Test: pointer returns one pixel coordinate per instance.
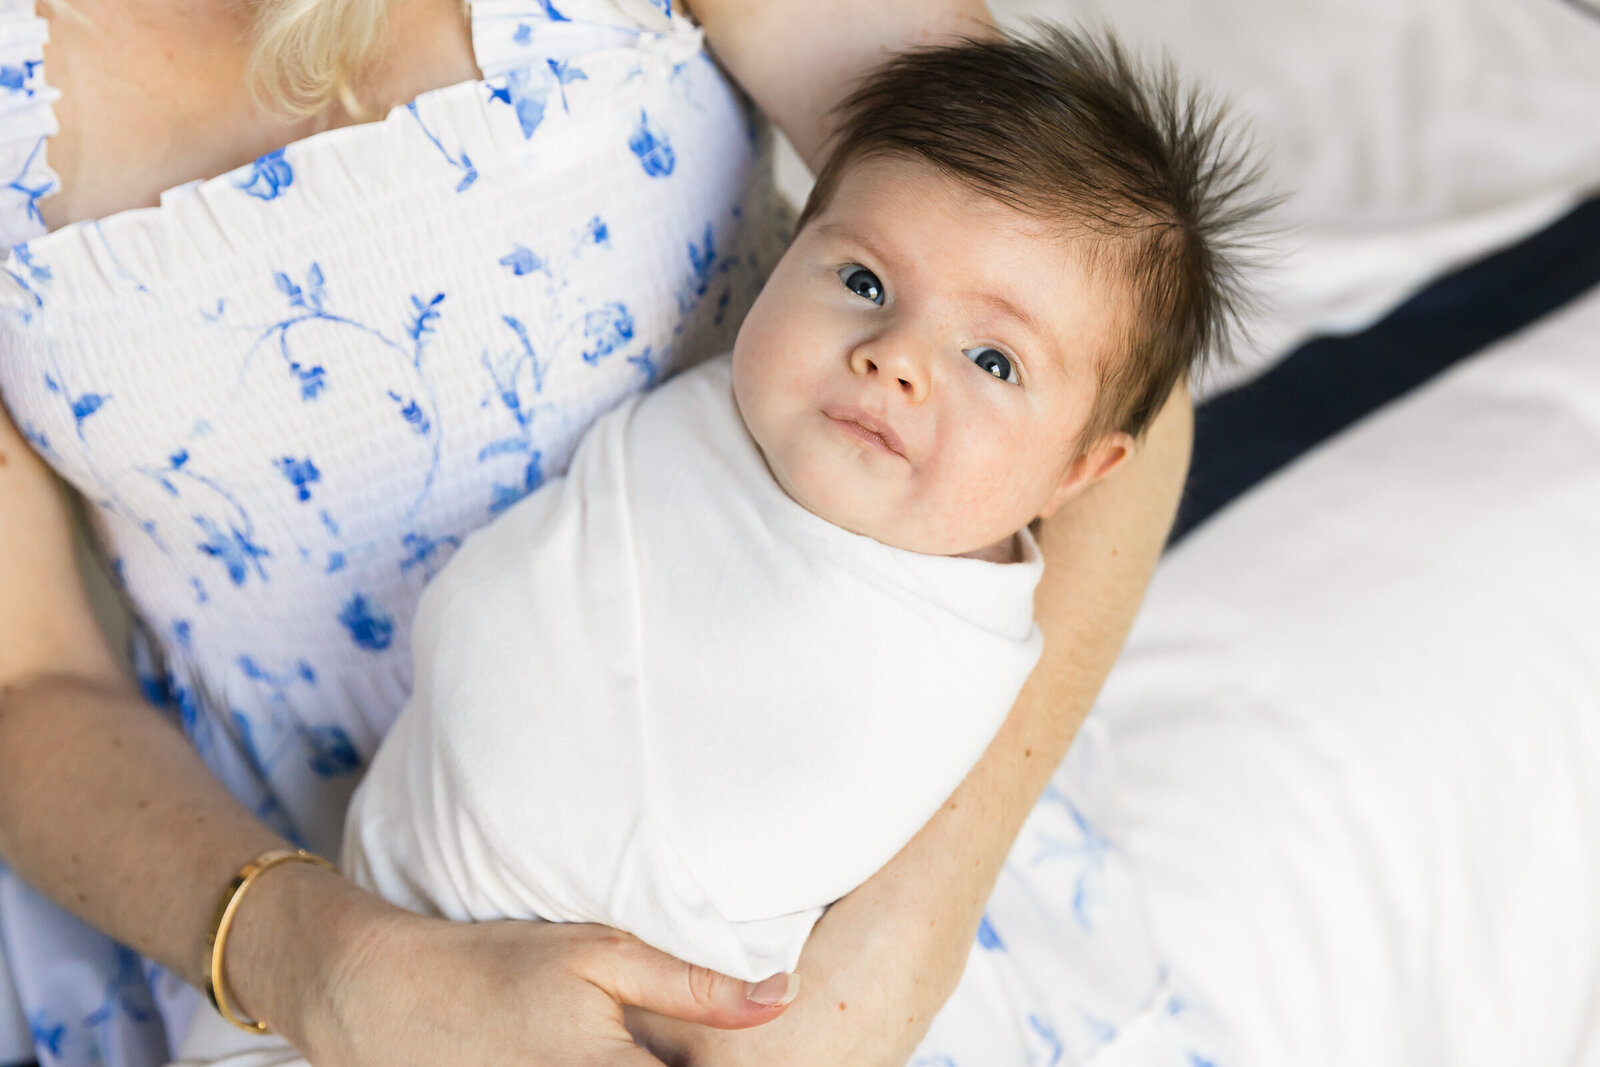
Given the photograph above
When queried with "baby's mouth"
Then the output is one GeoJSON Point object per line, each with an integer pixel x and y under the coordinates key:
{"type": "Point", "coordinates": [867, 428]}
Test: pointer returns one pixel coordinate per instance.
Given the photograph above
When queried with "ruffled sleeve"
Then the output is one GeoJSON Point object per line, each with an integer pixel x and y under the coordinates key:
{"type": "Point", "coordinates": [512, 35]}
{"type": "Point", "coordinates": [27, 121]}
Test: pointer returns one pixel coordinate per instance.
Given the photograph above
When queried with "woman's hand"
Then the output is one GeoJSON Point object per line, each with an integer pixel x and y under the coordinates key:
{"type": "Point", "coordinates": [403, 989]}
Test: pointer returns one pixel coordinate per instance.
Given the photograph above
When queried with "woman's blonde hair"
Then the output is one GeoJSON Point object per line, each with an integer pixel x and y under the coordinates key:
{"type": "Point", "coordinates": [304, 53]}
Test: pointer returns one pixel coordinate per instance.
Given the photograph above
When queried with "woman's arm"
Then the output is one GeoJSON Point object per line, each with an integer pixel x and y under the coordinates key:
{"type": "Point", "coordinates": [105, 807]}
{"type": "Point", "coordinates": [798, 60]}
{"type": "Point", "coordinates": [886, 957]}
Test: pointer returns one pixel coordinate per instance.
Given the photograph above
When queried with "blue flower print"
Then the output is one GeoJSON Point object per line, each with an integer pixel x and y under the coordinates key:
{"type": "Point", "coordinates": [649, 142]}
{"type": "Point", "coordinates": [424, 551]}
{"type": "Point", "coordinates": [308, 297]}
{"type": "Point", "coordinates": [48, 1035]}
{"type": "Point", "coordinates": [37, 271]}
{"type": "Point", "coordinates": [526, 89]}
{"type": "Point", "coordinates": [598, 232]}
{"type": "Point", "coordinates": [234, 550]}
{"type": "Point", "coordinates": [13, 77]}
{"type": "Point", "coordinates": [987, 937]}
{"type": "Point", "coordinates": [521, 261]}
{"type": "Point", "coordinates": [646, 362]}
{"type": "Point", "coordinates": [1197, 1060]}
{"type": "Point", "coordinates": [312, 379]}
{"type": "Point", "coordinates": [1091, 850]}
{"type": "Point", "coordinates": [196, 725]}
{"type": "Point", "coordinates": [153, 687]}
{"type": "Point", "coordinates": [127, 993]}
{"type": "Point", "coordinates": [523, 35]}
{"type": "Point", "coordinates": [1048, 1044]}
{"type": "Point", "coordinates": [86, 405]}
{"type": "Point", "coordinates": [33, 181]}
{"type": "Point", "coordinates": [565, 74]}
{"type": "Point", "coordinates": [702, 257]}
{"type": "Point", "coordinates": [412, 412]}
{"type": "Point", "coordinates": [505, 373]}
{"type": "Point", "coordinates": [463, 162]}
{"type": "Point", "coordinates": [427, 313]}
{"type": "Point", "coordinates": [83, 405]}
{"type": "Point", "coordinates": [302, 474]}
{"type": "Point", "coordinates": [332, 752]}
{"type": "Point", "coordinates": [370, 626]}
{"type": "Point", "coordinates": [502, 496]}
{"type": "Point", "coordinates": [266, 178]}
{"type": "Point", "coordinates": [607, 329]}
{"type": "Point", "coordinates": [551, 13]}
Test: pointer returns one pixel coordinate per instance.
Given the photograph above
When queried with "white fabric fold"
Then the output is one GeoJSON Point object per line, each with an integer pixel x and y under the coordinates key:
{"type": "Point", "coordinates": [658, 694]}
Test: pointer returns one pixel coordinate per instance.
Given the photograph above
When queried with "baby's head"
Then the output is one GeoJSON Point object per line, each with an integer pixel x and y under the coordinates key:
{"type": "Point", "coordinates": [1014, 253]}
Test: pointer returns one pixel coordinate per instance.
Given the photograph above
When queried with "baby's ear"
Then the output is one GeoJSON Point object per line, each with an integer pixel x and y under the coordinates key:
{"type": "Point", "coordinates": [1089, 466]}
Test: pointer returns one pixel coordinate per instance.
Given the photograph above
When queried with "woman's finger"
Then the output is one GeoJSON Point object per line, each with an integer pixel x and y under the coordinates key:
{"type": "Point", "coordinates": [636, 974]}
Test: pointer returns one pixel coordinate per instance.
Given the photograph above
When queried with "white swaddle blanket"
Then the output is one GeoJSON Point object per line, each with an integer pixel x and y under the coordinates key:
{"type": "Point", "coordinates": [658, 694]}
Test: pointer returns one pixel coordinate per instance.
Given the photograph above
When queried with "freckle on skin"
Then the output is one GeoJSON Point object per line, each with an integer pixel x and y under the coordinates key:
{"type": "Point", "coordinates": [1027, 753]}
{"type": "Point", "coordinates": [3, 459]}
{"type": "Point", "coordinates": [841, 1005]}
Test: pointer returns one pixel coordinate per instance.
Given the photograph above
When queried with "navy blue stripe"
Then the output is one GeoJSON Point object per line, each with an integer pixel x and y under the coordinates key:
{"type": "Point", "coordinates": [1325, 385]}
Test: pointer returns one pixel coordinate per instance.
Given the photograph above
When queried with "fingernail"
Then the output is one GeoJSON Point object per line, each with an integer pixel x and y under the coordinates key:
{"type": "Point", "coordinates": [779, 989]}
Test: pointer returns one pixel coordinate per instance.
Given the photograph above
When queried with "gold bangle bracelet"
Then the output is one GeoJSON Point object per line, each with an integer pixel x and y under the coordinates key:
{"type": "Point", "coordinates": [222, 922]}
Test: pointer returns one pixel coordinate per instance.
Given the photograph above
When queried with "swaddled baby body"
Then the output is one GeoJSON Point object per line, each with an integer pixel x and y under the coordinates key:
{"type": "Point", "coordinates": [663, 696]}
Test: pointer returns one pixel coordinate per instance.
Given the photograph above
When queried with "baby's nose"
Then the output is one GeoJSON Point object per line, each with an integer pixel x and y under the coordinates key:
{"type": "Point", "coordinates": [897, 364]}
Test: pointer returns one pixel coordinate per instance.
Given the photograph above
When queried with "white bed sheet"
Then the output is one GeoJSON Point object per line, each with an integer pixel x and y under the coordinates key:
{"type": "Point", "coordinates": [1358, 731]}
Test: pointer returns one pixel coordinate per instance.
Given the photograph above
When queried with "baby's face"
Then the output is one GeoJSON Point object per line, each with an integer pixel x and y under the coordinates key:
{"type": "Point", "coordinates": [922, 361]}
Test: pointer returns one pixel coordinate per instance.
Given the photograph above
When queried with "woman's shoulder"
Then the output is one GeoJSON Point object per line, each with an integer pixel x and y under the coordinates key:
{"type": "Point", "coordinates": [148, 98]}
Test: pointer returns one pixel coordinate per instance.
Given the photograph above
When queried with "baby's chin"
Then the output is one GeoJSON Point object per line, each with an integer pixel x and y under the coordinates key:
{"type": "Point", "coordinates": [861, 509]}
{"type": "Point", "coordinates": [928, 537]}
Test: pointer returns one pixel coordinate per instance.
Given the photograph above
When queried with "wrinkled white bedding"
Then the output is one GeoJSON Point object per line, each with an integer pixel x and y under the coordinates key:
{"type": "Point", "coordinates": [1358, 728]}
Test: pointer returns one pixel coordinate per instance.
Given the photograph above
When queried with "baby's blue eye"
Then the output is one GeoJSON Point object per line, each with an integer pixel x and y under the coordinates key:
{"type": "Point", "coordinates": [862, 282]}
{"type": "Point", "coordinates": [993, 361]}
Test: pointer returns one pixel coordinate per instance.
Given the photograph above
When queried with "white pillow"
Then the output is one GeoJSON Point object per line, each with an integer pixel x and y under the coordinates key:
{"type": "Point", "coordinates": [1358, 727]}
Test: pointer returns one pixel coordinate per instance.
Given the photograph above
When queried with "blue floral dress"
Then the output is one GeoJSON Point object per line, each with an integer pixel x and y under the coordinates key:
{"type": "Point", "coordinates": [287, 393]}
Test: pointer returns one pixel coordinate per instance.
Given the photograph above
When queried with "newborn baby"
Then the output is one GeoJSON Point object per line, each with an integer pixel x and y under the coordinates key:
{"type": "Point", "coordinates": [722, 671]}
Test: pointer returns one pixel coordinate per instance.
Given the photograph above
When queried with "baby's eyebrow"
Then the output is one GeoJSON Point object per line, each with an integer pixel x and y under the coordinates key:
{"type": "Point", "coordinates": [1014, 310]}
{"type": "Point", "coordinates": [840, 230]}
